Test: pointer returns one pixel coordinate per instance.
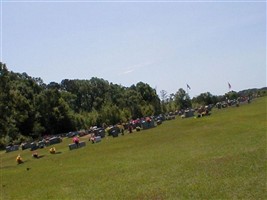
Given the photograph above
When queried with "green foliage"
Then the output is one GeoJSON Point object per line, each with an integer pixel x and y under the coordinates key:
{"type": "Point", "coordinates": [204, 99]}
{"type": "Point", "coordinates": [126, 115]}
{"type": "Point", "coordinates": [231, 95]}
{"type": "Point", "coordinates": [38, 129]}
{"type": "Point", "coordinates": [182, 100]}
{"type": "Point", "coordinates": [147, 110]}
{"type": "Point", "coordinates": [31, 108]}
{"type": "Point", "coordinates": [110, 114]}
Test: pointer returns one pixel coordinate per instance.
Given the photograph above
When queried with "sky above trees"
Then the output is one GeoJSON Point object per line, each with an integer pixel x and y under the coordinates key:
{"type": "Point", "coordinates": [165, 44]}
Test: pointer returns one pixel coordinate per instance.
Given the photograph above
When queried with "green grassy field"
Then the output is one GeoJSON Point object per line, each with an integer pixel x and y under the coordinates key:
{"type": "Point", "coordinates": [222, 156]}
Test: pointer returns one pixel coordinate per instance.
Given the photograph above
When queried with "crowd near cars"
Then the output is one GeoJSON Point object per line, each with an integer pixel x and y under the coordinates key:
{"type": "Point", "coordinates": [133, 125]}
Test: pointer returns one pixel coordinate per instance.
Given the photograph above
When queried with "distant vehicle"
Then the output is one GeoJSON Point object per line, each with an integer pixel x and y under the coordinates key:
{"type": "Point", "coordinates": [55, 140]}
{"type": "Point", "coordinates": [71, 134]}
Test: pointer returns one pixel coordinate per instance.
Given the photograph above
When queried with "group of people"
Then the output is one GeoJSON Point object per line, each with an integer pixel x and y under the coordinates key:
{"type": "Point", "coordinates": [52, 150]}
{"type": "Point", "coordinates": [19, 159]}
{"type": "Point", "coordinates": [75, 140]}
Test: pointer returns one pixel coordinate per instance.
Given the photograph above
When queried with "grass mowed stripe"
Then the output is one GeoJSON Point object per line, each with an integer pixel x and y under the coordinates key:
{"type": "Point", "coordinates": [220, 156]}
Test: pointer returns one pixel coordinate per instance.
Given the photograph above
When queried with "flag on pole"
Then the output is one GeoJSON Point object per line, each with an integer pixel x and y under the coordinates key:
{"type": "Point", "coordinates": [229, 86]}
{"type": "Point", "coordinates": [188, 87]}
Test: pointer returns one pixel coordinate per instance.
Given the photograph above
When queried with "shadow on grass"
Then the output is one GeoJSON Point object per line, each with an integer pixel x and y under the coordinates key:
{"type": "Point", "coordinates": [59, 152]}
{"type": "Point", "coordinates": [41, 156]}
{"type": "Point", "coordinates": [13, 166]}
{"type": "Point", "coordinates": [8, 167]}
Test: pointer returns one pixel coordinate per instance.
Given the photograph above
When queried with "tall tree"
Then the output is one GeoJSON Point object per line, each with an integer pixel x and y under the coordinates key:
{"type": "Point", "coordinates": [203, 99]}
{"type": "Point", "coordinates": [182, 99]}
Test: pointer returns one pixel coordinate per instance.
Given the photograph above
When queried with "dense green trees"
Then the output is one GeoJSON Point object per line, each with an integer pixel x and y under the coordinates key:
{"type": "Point", "coordinates": [178, 101]}
{"type": "Point", "coordinates": [30, 108]}
{"type": "Point", "coordinates": [17, 97]}
{"type": "Point", "coordinates": [204, 99]}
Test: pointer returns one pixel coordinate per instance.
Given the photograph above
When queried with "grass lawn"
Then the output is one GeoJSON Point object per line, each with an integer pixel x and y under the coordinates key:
{"type": "Point", "coordinates": [222, 156]}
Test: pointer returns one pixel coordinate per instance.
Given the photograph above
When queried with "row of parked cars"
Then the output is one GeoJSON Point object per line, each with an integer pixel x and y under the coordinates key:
{"type": "Point", "coordinates": [41, 144]}
{"type": "Point", "coordinates": [143, 123]}
{"type": "Point", "coordinates": [35, 145]}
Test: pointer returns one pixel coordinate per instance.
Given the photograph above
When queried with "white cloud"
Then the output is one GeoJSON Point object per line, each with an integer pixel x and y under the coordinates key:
{"type": "Point", "coordinates": [128, 71]}
{"type": "Point", "coordinates": [135, 67]}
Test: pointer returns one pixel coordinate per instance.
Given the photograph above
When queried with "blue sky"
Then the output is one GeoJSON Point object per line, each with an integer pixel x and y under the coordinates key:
{"type": "Point", "coordinates": [165, 44]}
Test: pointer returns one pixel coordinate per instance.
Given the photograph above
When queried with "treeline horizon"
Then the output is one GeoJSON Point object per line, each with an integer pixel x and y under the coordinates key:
{"type": "Point", "coordinates": [30, 108]}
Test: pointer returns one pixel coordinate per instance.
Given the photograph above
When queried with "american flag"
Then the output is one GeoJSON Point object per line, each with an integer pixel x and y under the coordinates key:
{"type": "Point", "coordinates": [188, 86]}
{"type": "Point", "coordinates": [229, 86]}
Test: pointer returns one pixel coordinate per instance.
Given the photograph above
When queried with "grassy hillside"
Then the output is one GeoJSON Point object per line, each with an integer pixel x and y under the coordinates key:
{"type": "Point", "coordinates": [220, 156]}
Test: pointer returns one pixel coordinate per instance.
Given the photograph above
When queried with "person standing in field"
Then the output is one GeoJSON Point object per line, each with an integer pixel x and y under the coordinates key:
{"type": "Point", "coordinates": [130, 128]}
{"type": "Point", "coordinates": [76, 141]}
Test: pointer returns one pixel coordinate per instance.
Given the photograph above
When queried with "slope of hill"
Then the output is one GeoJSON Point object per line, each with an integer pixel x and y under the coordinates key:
{"type": "Point", "coordinates": [222, 156]}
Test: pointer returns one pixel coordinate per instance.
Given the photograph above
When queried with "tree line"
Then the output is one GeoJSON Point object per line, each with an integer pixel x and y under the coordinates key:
{"type": "Point", "coordinates": [30, 108]}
